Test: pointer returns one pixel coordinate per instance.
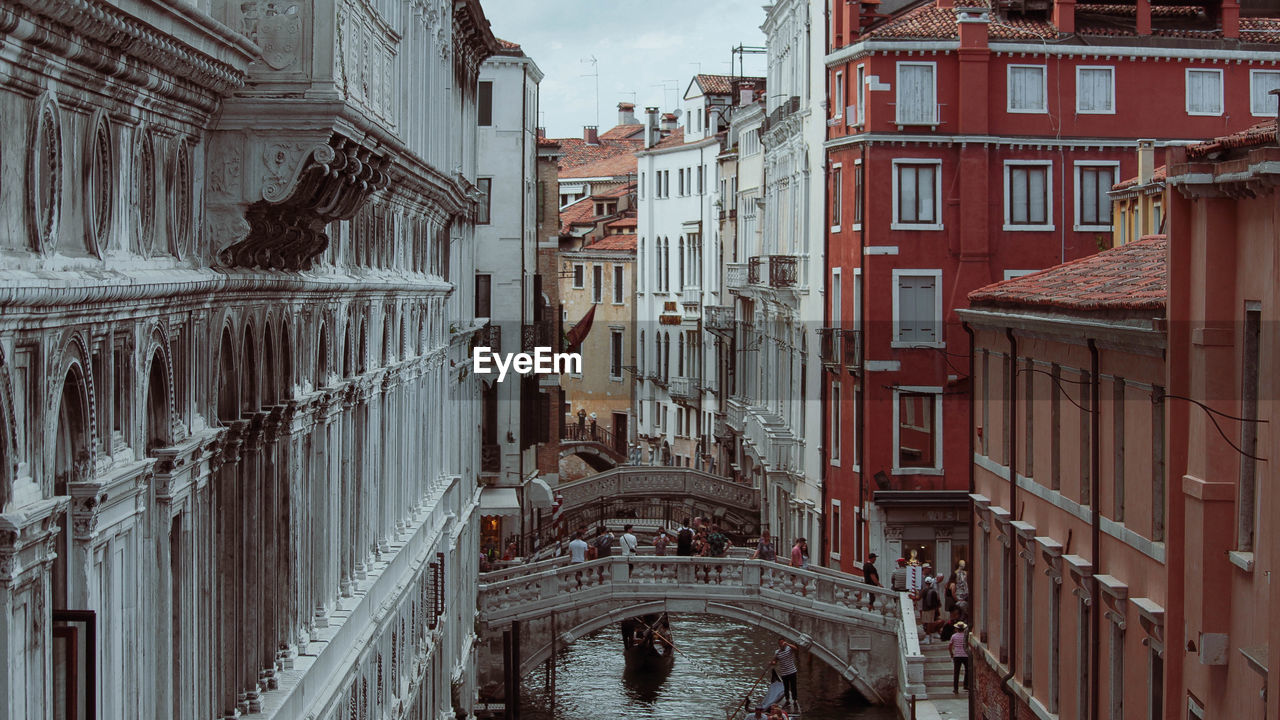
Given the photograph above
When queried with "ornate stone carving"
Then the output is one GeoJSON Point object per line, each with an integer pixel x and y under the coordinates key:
{"type": "Point", "coordinates": [84, 512]}
{"type": "Point", "coordinates": [144, 191]}
{"type": "Point", "coordinates": [305, 188]}
{"type": "Point", "coordinates": [277, 28]}
{"type": "Point", "coordinates": [100, 183]}
{"type": "Point", "coordinates": [44, 175]}
{"type": "Point", "coordinates": [181, 200]}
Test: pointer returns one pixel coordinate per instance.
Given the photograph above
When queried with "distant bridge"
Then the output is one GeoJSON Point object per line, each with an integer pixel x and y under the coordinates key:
{"type": "Point", "coordinates": [864, 632]}
{"type": "Point", "coordinates": [596, 446]}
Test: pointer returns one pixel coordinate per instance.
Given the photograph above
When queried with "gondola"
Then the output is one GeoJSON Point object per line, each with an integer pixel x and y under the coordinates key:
{"type": "Point", "coordinates": [773, 695]}
{"type": "Point", "coordinates": [646, 642]}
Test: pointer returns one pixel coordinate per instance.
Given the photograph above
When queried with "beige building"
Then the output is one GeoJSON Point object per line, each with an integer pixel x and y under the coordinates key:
{"type": "Point", "coordinates": [597, 281]}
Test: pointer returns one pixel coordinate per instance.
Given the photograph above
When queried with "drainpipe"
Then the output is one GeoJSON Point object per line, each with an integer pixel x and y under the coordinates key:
{"type": "Point", "coordinates": [524, 140]}
{"type": "Point", "coordinates": [973, 488]}
{"type": "Point", "coordinates": [1095, 463]}
{"type": "Point", "coordinates": [1011, 588]}
{"type": "Point", "coordinates": [864, 461]}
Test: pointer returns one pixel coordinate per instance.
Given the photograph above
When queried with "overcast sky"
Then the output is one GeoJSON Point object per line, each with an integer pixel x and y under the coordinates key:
{"type": "Point", "coordinates": [645, 51]}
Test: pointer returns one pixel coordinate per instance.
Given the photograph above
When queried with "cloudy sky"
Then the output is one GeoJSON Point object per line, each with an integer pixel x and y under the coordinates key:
{"type": "Point", "coordinates": [645, 51]}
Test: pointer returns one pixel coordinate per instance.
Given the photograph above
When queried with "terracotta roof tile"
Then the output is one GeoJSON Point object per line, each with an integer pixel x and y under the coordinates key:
{"type": "Point", "coordinates": [579, 153]}
{"type": "Point", "coordinates": [548, 142]}
{"type": "Point", "coordinates": [1159, 175]}
{"type": "Point", "coordinates": [623, 132]}
{"type": "Point", "coordinates": [582, 212]}
{"type": "Point", "coordinates": [622, 162]}
{"type": "Point", "coordinates": [624, 222]}
{"type": "Point", "coordinates": [674, 138]}
{"type": "Point", "coordinates": [719, 84]}
{"type": "Point", "coordinates": [614, 242]}
{"type": "Point", "coordinates": [1260, 134]}
{"type": "Point", "coordinates": [1130, 277]}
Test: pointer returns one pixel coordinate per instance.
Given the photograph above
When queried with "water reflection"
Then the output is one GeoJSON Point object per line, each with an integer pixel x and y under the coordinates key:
{"type": "Point", "coordinates": [718, 662]}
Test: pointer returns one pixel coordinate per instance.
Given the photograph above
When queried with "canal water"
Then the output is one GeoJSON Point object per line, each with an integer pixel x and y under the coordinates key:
{"type": "Point", "coordinates": [718, 662]}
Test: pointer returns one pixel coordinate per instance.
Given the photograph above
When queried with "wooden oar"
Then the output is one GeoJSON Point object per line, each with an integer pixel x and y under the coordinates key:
{"type": "Point", "coordinates": [746, 700]}
{"type": "Point", "coordinates": [670, 643]}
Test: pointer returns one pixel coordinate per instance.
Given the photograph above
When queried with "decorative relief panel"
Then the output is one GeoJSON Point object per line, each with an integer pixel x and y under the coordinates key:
{"type": "Point", "coordinates": [44, 175]}
{"type": "Point", "coordinates": [181, 200]}
{"type": "Point", "coordinates": [276, 26]}
{"type": "Point", "coordinates": [100, 184]}
{"type": "Point", "coordinates": [144, 191]}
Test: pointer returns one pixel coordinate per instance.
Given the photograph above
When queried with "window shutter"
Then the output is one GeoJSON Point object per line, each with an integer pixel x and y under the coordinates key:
{"type": "Point", "coordinates": [1094, 90]}
{"type": "Point", "coordinates": [907, 193]}
{"type": "Point", "coordinates": [1261, 101]}
{"type": "Point", "coordinates": [1202, 91]}
{"type": "Point", "coordinates": [916, 303]}
{"type": "Point", "coordinates": [925, 191]}
{"type": "Point", "coordinates": [1018, 210]}
{"type": "Point", "coordinates": [915, 95]}
{"type": "Point", "coordinates": [906, 309]}
{"type": "Point", "coordinates": [925, 294]}
{"type": "Point", "coordinates": [1026, 88]}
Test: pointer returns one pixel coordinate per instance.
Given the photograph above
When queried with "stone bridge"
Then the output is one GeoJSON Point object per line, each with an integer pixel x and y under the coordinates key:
{"type": "Point", "coordinates": [599, 456]}
{"type": "Point", "coordinates": [866, 633]}
{"type": "Point", "coordinates": [658, 494]}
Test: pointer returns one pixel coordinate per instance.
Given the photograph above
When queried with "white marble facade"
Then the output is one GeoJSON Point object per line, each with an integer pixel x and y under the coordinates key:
{"type": "Point", "coordinates": [238, 428]}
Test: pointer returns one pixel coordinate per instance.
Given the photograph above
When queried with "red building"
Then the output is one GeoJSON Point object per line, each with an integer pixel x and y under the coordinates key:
{"type": "Point", "coordinates": [968, 144]}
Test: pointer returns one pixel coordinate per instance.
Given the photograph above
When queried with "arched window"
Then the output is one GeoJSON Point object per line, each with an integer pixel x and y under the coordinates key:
{"type": "Point", "coordinates": [322, 360]}
{"type": "Point", "coordinates": [640, 356]}
{"type": "Point", "coordinates": [249, 400]}
{"type": "Point", "coordinates": [680, 355]}
{"type": "Point", "coordinates": [158, 418]}
{"type": "Point", "coordinates": [680, 264]}
{"type": "Point", "coordinates": [228, 390]}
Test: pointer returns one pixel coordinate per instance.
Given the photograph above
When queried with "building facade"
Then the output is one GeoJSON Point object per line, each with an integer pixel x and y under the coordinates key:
{"type": "Point", "coordinates": [966, 145]}
{"type": "Point", "coordinates": [507, 284]}
{"type": "Point", "coordinates": [231, 324]}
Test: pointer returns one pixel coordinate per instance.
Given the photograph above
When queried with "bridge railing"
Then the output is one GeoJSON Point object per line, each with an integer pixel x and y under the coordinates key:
{"type": "Point", "coordinates": [910, 657]}
{"type": "Point", "coordinates": [543, 588]}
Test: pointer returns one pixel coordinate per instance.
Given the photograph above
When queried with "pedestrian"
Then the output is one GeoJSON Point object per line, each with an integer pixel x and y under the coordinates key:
{"type": "Point", "coordinates": [660, 542]}
{"type": "Point", "coordinates": [765, 549]}
{"type": "Point", "coordinates": [628, 542]}
{"type": "Point", "coordinates": [959, 656]}
{"type": "Point", "coordinates": [784, 658]}
{"type": "Point", "coordinates": [577, 549]}
{"type": "Point", "coordinates": [931, 604]}
{"type": "Point", "coordinates": [797, 553]}
{"type": "Point", "coordinates": [684, 542]}
{"type": "Point", "coordinates": [898, 580]}
{"type": "Point", "coordinates": [717, 542]}
{"type": "Point", "coordinates": [758, 714]}
{"type": "Point", "coordinates": [870, 575]}
{"type": "Point", "coordinates": [603, 543]}
{"type": "Point", "coordinates": [776, 713]}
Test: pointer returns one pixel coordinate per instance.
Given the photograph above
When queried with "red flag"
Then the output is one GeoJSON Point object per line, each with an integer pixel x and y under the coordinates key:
{"type": "Point", "coordinates": [579, 331]}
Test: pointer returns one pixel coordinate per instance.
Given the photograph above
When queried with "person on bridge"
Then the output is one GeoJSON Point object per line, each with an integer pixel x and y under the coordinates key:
{"type": "Point", "coordinates": [785, 660]}
{"type": "Point", "coordinates": [577, 548]}
{"type": "Point", "coordinates": [660, 542]}
{"type": "Point", "coordinates": [800, 553]}
{"type": "Point", "coordinates": [684, 540]}
{"type": "Point", "coordinates": [898, 580]}
{"type": "Point", "coordinates": [718, 543]}
{"type": "Point", "coordinates": [603, 543]}
{"type": "Point", "coordinates": [870, 575]}
{"type": "Point", "coordinates": [765, 549]}
{"type": "Point", "coordinates": [629, 542]}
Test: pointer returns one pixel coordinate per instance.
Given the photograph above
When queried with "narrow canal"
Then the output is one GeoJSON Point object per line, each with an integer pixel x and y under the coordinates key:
{"type": "Point", "coordinates": [716, 666]}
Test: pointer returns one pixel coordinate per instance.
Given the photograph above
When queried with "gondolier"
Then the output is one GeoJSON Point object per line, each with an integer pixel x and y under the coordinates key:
{"type": "Point", "coordinates": [784, 658]}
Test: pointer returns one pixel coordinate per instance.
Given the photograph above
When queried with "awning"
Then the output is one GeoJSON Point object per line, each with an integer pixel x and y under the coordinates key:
{"type": "Point", "coordinates": [539, 494]}
{"type": "Point", "coordinates": [499, 501]}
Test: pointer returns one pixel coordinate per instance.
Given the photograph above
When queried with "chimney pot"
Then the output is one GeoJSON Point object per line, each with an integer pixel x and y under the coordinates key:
{"type": "Point", "coordinates": [1146, 161]}
{"type": "Point", "coordinates": [590, 133]}
{"type": "Point", "coordinates": [650, 127]}
{"type": "Point", "coordinates": [627, 113]}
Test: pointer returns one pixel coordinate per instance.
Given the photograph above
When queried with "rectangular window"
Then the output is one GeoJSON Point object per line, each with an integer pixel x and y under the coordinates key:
{"type": "Point", "coordinates": [917, 308]}
{"type": "Point", "coordinates": [701, 177]}
{"type": "Point", "coordinates": [1027, 89]}
{"type": "Point", "coordinates": [484, 104]}
{"type": "Point", "coordinates": [1247, 502]}
{"type": "Point", "coordinates": [615, 354]}
{"type": "Point", "coordinates": [917, 102]}
{"type": "Point", "coordinates": [917, 191]}
{"type": "Point", "coordinates": [917, 435]}
{"type": "Point", "coordinates": [1093, 206]}
{"type": "Point", "coordinates": [859, 93]}
{"type": "Point", "coordinates": [1157, 218]}
{"type": "Point", "coordinates": [1204, 92]}
{"type": "Point", "coordinates": [1027, 202]}
{"type": "Point", "coordinates": [483, 295]}
{"type": "Point", "coordinates": [838, 101]}
{"type": "Point", "coordinates": [1095, 90]}
{"type": "Point", "coordinates": [857, 195]}
{"type": "Point", "coordinates": [1261, 102]}
{"type": "Point", "coordinates": [579, 277]}
{"type": "Point", "coordinates": [486, 188]}
{"type": "Point", "coordinates": [617, 284]}
{"type": "Point", "coordinates": [857, 444]}
{"type": "Point", "coordinates": [836, 535]}
{"type": "Point", "coordinates": [597, 284]}
{"type": "Point", "coordinates": [835, 423]}
{"type": "Point", "coordinates": [836, 192]}
{"type": "Point", "coordinates": [641, 186]}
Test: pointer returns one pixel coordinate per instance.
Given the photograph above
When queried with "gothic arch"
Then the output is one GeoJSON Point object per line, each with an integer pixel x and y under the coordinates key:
{"type": "Point", "coordinates": [270, 367]}
{"type": "Point", "coordinates": [250, 393]}
{"type": "Point", "coordinates": [158, 404]}
{"type": "Point", "coordinates": [71, 364]}
{"type": "Point", "coordinates": [322, 356]}
{"type": "Point", "coordinates": [286, 361]}
{"type": "Point", "coordinates": [8, 437]}
{"type": "Point", "coordinates": [362, 350]}
{"type": "Point", "coordinates": [227, 389]}
{"type": "Point", "coordinates": [388, 337]}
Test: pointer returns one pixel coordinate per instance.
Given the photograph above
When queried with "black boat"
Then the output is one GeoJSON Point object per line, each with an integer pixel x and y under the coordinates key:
{"type": "Point", "coordinates": [646, 642]}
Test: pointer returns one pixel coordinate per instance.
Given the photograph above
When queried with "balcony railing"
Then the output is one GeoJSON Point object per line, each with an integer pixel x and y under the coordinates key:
{"type": "Point", "coordinates": [829, 347]}
{"type": "Point", "coordinates": [684, 388]}
{"type": "Point", "coordinates": [755, 270]}
{"type": "Point", "coordinates": [735, 410]}
{"type": "Point", "coordinates": [490, 458]}
{"type": "Point", "coordinates": [736, 276]}
{"type": "Point", "coordinates": [906, 114]}
{"type": "Point", "coordinates": [719, 318]}
{"type": "Point", "coordinates": [489, 336]}
{"type": "Point", "coordinates": [852, 341]}
{"type": "Point", "coordinates": [539, 334]}
{"type": "Point", "coordinates": [782, 271]}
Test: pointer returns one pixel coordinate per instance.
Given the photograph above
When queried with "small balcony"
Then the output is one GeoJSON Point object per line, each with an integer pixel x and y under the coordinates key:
{"type": "Point", "coordinates": [489, 336]}
{"type": "Point", "coordinates": [782, 271]}
{"type": "Point", "coordinates": [684, 389]}
{"type": "Point", "coordinates": [735, 411]}
{"type": "Point", "coordinates": [829, 346]}
{"type": "Point", "coordinates": [755, 270]}
{"type": "Point", "coordinates": [852, 341]}
{"type": "Point", "coordinates": [736, 276]}
{"type": "Point", "coordinates": [490, 458]}
{"type": "Point", "coordinates": [719, 319]}
{"type": "Point", "coordinates": [539, 334]}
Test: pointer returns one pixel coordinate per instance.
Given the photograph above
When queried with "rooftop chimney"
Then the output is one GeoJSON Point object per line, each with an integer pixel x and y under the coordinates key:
{"type": "Point", "coordinates": [668, 122]}
{"type": "Point", "coordinates": [1146, 161]}
{"type": "Point", "coordinates": [627, 114]}
{"type": "Point", "coordinates": [590, 134]}
{"type": "Point", "coordinates": [542, 132]}
{"type": "Point", "coordinates": [651, 127]}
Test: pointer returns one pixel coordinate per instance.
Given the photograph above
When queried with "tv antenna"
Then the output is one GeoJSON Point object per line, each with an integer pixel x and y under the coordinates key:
{"type": "Point", "coordinates": [595, 73]}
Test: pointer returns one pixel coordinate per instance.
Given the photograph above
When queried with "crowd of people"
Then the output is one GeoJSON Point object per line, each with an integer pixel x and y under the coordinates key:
{"type": "Point", "coordinates": [696, 537]}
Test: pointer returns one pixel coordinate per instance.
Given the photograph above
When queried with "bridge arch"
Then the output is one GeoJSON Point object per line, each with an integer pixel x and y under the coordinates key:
{"type": "Point", "coordinates": [851, 674]}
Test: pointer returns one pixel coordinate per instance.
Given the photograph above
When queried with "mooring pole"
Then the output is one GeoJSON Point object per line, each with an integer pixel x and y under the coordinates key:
{"type": "Point", "coordinates": [507, 673]}
{"type": "Point", "coordinates": [514, 703]}
{"type": "Point", "coordinates": [555, 649]}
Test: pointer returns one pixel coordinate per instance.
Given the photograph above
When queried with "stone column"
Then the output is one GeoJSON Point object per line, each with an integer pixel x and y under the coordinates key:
{"type": "Point", "coordinates": [251, 549]}
{"type": "Point", "coordinates": [226, 500]}
{"type": "Point", "coordinates": [318, 516]}
{"type": "Point", "coordinates": [346, 482]}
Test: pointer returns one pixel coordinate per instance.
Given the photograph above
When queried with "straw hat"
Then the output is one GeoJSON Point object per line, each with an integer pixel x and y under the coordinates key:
{"type": "Point", "coordinates": [961, 626]}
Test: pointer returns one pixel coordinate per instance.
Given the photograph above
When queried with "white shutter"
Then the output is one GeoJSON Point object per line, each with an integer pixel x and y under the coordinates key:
{"type": "Point", "coordinates": [906, 309]}
{"type": "Point", "coordinates": [915, 94]}
{"type": "Point", "coordinates": [1018, 195]}
{"type": "Point", "coordinates": [1037, 198]}
{"type": "Point", "coordinates": [1262, 82]}
{"type": "Point", "coordinates": [917, 300]}
{"type": "Point", "coordinates": [1093, 90]}
{"type": "Point", "coordinates": [1026, 88]}
{"type": "Point", "coordinates": [1204, 95]}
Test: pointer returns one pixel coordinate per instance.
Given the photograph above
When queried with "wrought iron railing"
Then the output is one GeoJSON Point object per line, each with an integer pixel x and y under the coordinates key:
{"type": "Point", "coordinates": [591, 432]}
{"type": "Point", "coordinates": [755, 272]}
{"type": "Point", "coordinates": [852, 341]}
{"type": "Point", "coordinates": [489, 336]}
{"type": "Point", "coordinates": [539, 334]}
{"type": "Point", "coordinates": [829, 347]}
{"type": "Point", "coordinates": [782, 271]}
